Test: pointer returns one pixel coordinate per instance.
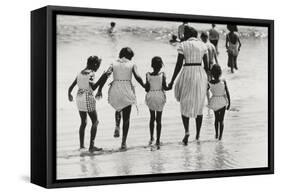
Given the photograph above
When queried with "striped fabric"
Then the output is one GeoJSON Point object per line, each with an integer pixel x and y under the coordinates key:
{"type": "Point", "coordinates": [191, 86]}
{"type": "Point", "coordinates": [193, 50]}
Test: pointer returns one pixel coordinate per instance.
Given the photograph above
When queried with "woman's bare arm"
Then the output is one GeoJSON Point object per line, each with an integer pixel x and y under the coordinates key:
{"type": "Point", "coordinates": [100, 83]}
{"type": "Point", "coordinates": [70, 98]}
{"type": "Point", "coordinates": [206, 63]}
{"type": "Point", "coordinates": [177, 68]}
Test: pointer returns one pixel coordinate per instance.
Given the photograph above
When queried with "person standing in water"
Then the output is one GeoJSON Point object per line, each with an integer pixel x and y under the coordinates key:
{"type": "Point", "coordinates": [220, 99]}
{"type": "Point", "coordinates": [111, 30]}
{"type": "Point", "coordinates": [181, 30]}
{"type": "Point", "coordinates": [212, 54]}
{"type": "Point", "coordinates": [121, 94]}
{"type": "Point", "coordinates": [214, 37]}
{"type": "Point", "coordinates": [85, 100]}
{"type": "Point", "coordinates": [156, 98]}
{"type": "Point", "coordinates": [233, 46]}
{"type": "Point", "coordinates": [191, 86]}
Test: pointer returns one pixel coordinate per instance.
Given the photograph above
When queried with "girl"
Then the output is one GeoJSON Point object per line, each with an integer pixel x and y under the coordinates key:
{"type": "Point", "coordinates": [233, 46]}
{"type": "Point", "coordinates": [155, 97]}
{"type": "Point", "coordinates": [121, 94]}
{"type": "Point", "coordinates": [85, 100]}
{"type": "Point", "coordinates": [220, 99]}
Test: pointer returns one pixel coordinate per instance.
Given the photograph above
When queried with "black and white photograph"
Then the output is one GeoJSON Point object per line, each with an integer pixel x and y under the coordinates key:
{"type": "Point", "coordinates": [140, 97]}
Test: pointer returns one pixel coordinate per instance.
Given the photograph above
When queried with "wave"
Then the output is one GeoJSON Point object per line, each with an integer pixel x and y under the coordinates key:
{"type": "Point", "coordinates": [76, 32]}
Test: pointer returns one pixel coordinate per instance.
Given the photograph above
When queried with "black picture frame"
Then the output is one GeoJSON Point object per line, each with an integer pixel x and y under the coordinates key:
{"type": "Point", "coordinates": [43, 99]}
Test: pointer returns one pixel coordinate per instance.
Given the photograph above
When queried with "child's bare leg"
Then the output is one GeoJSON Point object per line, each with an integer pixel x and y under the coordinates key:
{"type": "Point", "coordinates": [83, 117]}
{"type": "Point", "coordinates": [221, 120]}
{"type": "Point", "coordinates": [126, 112]}
{"type": "Point", "coordinates": [94, 118]}
{"type": "Point", "coordinates": [117, 124]}
{"type": "Point", "coordinates": [159, 126]}
{"type": "Point", "coordinates": [199, 119]}
{"type": "Point", "coordinates": [151, 125]}
{"type": "Point", "coordinates": [216, 124]}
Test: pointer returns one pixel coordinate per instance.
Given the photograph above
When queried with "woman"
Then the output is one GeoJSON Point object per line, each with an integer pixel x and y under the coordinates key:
{"type": "Point", "coordinates": [233, 46]}
{"type": "Point", "coordinates": [191, 86]}
{"type": "Point", "coordinates": [121, 94]}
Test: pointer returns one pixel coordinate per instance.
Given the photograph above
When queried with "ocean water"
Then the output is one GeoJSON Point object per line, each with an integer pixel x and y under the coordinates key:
{"type": "Point", "coordinates": [244, 143]}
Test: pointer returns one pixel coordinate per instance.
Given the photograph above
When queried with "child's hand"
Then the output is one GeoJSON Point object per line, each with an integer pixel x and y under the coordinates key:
{"type": "Point", "coordinates": [170, 85]}
{"type": "Point", "coordinates": [70, 97]}
{"type": "Point", "coordinates": [147, 87]}
{"type": "Point", "coordinates": [98, 95]}
{"type": "Point", "coordinates": [228, 107]}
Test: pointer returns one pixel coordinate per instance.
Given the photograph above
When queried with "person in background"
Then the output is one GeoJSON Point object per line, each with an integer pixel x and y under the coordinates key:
{"type": "Point", "coordinates": [181, 31]}
{"type": "Point", "coordinates": [85, 100]}
{"type": "Point", "coordinates": [212, 54]}
{"type": "Point", "coordinates": [112, 30]}
{"type": "Point", "coordinates": [156, 98]}
{"type": "Point", "coordinates": [174, 40]}
{"type": "Point", "coordinates": [214, 37]}
{"type": "Point", "coordinates": [233, 46]}
{"type": "Point", "coordinates": [220, 99]}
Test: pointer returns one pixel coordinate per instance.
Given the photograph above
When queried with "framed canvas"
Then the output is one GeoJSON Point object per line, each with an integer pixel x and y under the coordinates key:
{"type": "Point", "coordinates": [127, 96]}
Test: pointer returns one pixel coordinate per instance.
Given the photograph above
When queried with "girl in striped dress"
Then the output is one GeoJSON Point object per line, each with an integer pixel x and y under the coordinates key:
{"type": "Point", "coordinates": [220, 99]}
{"type": "Point", "coordinates": [155, 98]}
{"type": "Point", "coordinates": [85, 100]}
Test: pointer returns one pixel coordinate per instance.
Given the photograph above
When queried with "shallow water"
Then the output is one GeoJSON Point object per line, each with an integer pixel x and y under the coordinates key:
{"type": "Point", "coordinates": [244, 142]}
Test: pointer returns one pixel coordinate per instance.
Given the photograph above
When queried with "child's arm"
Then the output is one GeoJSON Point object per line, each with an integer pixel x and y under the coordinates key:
{"type": "Point", "coordinates": [70, 97]}
{"type": "Point", "coordinates": [239, 42]}
{"type": "Point", "coordinates": [227, 95]}
{"type": "Point", "coordinates": [164, 83]}
{"type": "Point", "coordinates": [137, 76]}
{"type": "Point", "coordinates": [147, 85]}
{"type": "Point", "coordinates": [208, 94]}
{"type": "Point", "coordinates": [102, 80]}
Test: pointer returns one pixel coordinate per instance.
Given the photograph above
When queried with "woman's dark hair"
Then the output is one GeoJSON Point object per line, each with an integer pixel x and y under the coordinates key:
{"type": "Point", "coordinates": [190, 32]}
{"type": "Point", "coordinates": [216, 71]}
{"type": "Point", "coordinates": [156, 63]}
{"type": "Point", "coordinates": [93, 62]}
{"type": "Point", "coordinates": [112, 24]}
{"type": "Point", "coordinates": [127, 53]}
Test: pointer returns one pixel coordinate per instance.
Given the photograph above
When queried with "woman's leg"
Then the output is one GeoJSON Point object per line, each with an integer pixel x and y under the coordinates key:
{"type": "Point", "coordinates": [126, 112]}
{"type": "Point", "coordinates": [221, 119]}
{"type": "Point", "coordinates": [117, 123]}
{"type": "Point", "coordinates": [216, 124]}
{"type": "Point", "coordinates": [185, 121]}
{"type": "Point", "coordinates": [235, 62]}
{"type": "Point", "coordinates": [151, 125]}
{"type": "Point", "coordinates": [83, 117]}
{"type": "Point", "coordinates": [159, 126]}
{"type": "Point", "coordinates": [94, 118]}
{"type": "Point", "coordinates": [198, 119]}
